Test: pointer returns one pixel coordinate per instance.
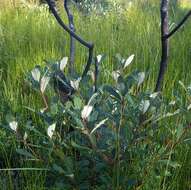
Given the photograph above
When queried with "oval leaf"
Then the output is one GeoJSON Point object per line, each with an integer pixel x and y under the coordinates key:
{"type": "Point", "coordinates": [99, 125]}
{"type": "Point", "coordinates": [44, 82]}
{"type": "Point", "coordinates": [86, 111]}
{"type": "Point", "coordinates": [13, 125]}
{"type": "Point", "coordinates": [113, 92]}
{"type": "Point", "coordinates": [92, 100]}
{"type": "Point", "coordinates": [154, 95]}
{"type": "Point", "coordinates": [75, 83]}
{"type": "Point", "coordinates": [144, 106]}
{"type": "Point", "coordinates": [128, 61]}
{"type": "Point", "coordinates": [25, 136]}
{"type": "Point", "coordinates": [63, 63]}
{"type": "Point", "coordinates": [141, 78]}
{"type": "Point", "coordinates": [116, 75]}
{"type": "Point", "coordinates": [51, 129]}
{"type": "Point", "coordinates": [36, 74]}
{"type": "Point", "coordinates": [99, 57]}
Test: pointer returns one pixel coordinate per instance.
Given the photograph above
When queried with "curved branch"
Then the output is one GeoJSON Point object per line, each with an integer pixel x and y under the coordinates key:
{"type": "Point", "coordinates": [90, 46]}
{"type": "Point", "coordinates": [53, 3]}
{"type": "Point", "coordinates": [65, 27]}
{"type": "Point", "coordinates": [179, 25]}
{"type": "Point", "coordinates": [88, 62]}
{"type": "Point", "coordinates": [72, 40]}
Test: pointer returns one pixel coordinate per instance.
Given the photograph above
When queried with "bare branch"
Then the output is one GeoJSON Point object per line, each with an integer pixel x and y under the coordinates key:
{"type": "Point", "coordinates": [179, 25]}
{"type": "Point", "coordinates": [72, 40]}
{"type": "Point", "coordinates": [88, 62]}
{"type": "Point", "coordinates": [53, 3]}
{"type": "Point", "coordinates": [96, 72]}
{"type": "Point", "coordinates": [90, 46]}
{"type": "Point", "coordinates": [164, 43]}
{"type": "Point", "coordinates": [65, 27]}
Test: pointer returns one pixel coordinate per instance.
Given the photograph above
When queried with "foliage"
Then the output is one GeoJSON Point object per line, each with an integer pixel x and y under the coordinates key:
{"type": "Point", "coordinates": [26, 40]}
{"type": "Point", "coordinates": [113, 138]}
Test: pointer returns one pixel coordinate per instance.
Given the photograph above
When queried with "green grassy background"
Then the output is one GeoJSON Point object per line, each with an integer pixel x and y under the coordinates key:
{"type": "Point", "coordinates": [29, 35]}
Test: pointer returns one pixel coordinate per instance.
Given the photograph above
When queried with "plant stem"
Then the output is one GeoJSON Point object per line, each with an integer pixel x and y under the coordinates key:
{"type": "Point", "coordinates": [118, 143]}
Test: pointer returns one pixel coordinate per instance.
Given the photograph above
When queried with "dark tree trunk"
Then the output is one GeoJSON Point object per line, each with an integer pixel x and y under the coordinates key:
{"type": "Point", "coordinates": [164, 43]}
{"type": "Point", "coordinates": [165, 35]}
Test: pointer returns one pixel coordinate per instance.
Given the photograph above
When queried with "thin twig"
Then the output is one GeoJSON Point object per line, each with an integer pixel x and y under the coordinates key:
{"type": "Point", "coordinates": [88, 62]}
{"type": "Point", "coordinates": [72, 40]}
{"type": "Point", "coordinates": [179, 25]}
{"type": "Point", "coordinates": [96, 75]}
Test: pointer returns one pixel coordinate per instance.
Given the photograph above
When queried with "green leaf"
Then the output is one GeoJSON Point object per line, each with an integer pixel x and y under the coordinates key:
{"type": "Point", "coordinates": [93, 117]}
{"type": "Point", "coordinates": [92, 100]}
{"type": "Point", "coordinates": [189, 107]}
{"type": "Point", "coordinates": [112, 91]}
{"type": "Point", "coordinates": [68, 163]}
{"type": "Point", "coordinates": [75, 117]}
{"type": "Point", "coordinates": [100, 58]}
{"type": "Point", "coordinates": [75, 83]}
{"type": "Point", "coordinates": [68, 105]}
{"type": "Point", "coordinates": [128, 61]}
{"type": "Point", "coordinates": [63, 63]}
{"type": "Point", "coordinates": [58, 169]}
{"type": "Point", "coordinates": [54, 108]}
{"type": "Point", "coordinates": [44, 82]}
{"type": "Point", "coordinates": [121, 86]}
{"type": "Point", "coordinates": [51, 129]}
{"type": "Point", "coordinates": [98, 125]}
{"type": "Point", "coordinates": [32, 128]}
{"type": "Point", "coordinates": [77, 146]}
{"type": "Point", "coordinates": [36, 74]}
{"type": "Point", "coordinates": [144, 106]}
{"type": "Point", "coordinates": [182, 85]}
{"type": "Point", "coordinates": [77, 103]}
{"type": "Point", "coordinates": [180, 131]}
{"type": "Point", "coordinates": [170, 163]}
{"type": "Point", "coordinates": [13, 125]}
{"type": "Point", "coordinates": [188, 141]}
{"type": "Point", "coordinates": [116, 75]}
{"type": "Point", "coordinates": [141, 78]}
{"type": "Point", "coordinates": [86, 111]}
{"type": "Point", "coordinates": [154, 95]}
{"type": "Point", "coordinates": [24, 153]}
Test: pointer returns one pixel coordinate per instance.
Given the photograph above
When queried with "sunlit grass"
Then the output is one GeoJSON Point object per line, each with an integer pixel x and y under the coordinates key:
{"type": "Point", "coordinates": [185, 4]}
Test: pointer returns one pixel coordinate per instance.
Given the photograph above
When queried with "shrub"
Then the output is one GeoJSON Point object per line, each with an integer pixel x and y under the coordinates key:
{"type": "Point", "coordinates": [100, 136]}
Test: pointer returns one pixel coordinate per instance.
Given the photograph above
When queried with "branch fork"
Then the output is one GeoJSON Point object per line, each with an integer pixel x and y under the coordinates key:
{"type": "Point", "coordinates": [165, 35]}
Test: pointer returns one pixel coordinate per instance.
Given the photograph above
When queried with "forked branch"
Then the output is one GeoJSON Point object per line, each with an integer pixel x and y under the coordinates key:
{"type": "Point", "coordinates": [179, 25]}
{"type": "Point", "coordinates": [165, 35]}
{"type": "Point", "coordinates": [90, 46]}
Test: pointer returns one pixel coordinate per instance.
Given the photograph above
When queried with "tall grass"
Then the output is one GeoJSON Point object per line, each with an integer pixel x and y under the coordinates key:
{"type": "Point", "coordinates": [31, 35]}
